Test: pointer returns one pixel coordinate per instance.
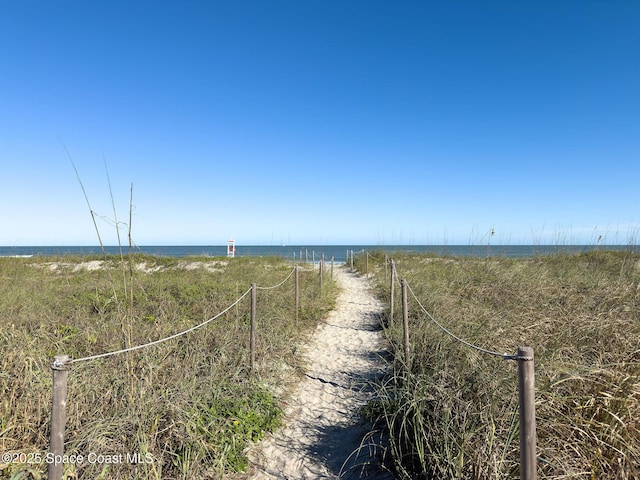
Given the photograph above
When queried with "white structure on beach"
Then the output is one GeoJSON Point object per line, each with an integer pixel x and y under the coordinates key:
{"type": "Point", "coordinates": [231, 249]}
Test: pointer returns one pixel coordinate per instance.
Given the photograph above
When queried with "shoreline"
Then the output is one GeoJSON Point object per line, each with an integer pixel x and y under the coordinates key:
{"type": "Point", "coordinates": [313, 253]}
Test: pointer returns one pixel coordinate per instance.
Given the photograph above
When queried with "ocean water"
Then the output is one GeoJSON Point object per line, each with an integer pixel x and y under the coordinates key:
{"type": "Point", "coordinates": [315, 252]}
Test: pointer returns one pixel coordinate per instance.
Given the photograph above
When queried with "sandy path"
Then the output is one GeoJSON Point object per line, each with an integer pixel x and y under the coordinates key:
{"type": "Point", "coordinates": [322, 427]}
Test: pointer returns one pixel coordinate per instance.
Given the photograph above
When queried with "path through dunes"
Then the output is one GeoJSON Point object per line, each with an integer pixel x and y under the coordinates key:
{"type": "Point", "coordinates": [322, 431]}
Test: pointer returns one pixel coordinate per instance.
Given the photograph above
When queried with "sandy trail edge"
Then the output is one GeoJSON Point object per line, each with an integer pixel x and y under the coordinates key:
{"type": "Point", "coordinates": [322, 427]}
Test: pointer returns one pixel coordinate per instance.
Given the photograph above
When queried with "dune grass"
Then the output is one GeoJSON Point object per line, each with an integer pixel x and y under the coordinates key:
{"type": "Point", "coordinates": [186, 408]}
{"type": "Point", "coordinates": [455, 414]}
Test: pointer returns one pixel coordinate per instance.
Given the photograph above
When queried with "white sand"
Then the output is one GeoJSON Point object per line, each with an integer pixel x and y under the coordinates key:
{"type": "Point", "coordinates": [323, 431]}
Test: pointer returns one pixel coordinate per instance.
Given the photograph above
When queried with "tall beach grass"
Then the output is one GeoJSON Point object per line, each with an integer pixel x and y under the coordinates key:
{"type": "Point", "coordinates": [186, 408]}
{"type": "Point", "coordinates": [455, 413]}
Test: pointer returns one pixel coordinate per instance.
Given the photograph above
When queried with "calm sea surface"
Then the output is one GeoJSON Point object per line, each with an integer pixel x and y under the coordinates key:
{"type": "Point", "coordinates": [315, 252]}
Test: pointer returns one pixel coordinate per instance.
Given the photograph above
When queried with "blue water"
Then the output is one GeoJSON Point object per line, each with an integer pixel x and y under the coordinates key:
{"type": "Point", "coordinates": [315, 252]}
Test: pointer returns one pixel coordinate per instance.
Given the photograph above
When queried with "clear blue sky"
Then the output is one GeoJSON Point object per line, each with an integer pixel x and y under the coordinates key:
{"type": "Point", "coordinates": [321, 122]}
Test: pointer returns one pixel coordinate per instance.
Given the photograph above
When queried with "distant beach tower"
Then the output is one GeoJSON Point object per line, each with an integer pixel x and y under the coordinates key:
{"type": "Point", "coordinates": [231, 249]}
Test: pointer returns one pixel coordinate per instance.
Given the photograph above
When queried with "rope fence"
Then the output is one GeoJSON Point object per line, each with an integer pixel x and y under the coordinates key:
{"type": "Point", "coordinates": [61, 364]}
{"type": "Point", "coordinates": [505, 356]}
{"type": "Point", "coordinates": [524, 357]}
{"type": "Point", "coordinates": [162, 340]}
{"type": "Point", "coordinates": [279, 284]}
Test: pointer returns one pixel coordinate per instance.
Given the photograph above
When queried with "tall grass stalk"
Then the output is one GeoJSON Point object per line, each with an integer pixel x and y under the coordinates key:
{"type": "Point", "coordinates": [186, 408]}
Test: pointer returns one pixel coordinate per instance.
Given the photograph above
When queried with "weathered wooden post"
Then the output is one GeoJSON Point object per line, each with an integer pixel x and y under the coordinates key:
{"type": "Point", "coordinates": [237, 307]}
{"type": "Point", "coordinates": [366, 268]}
{"type": "Point", "coordinates": [526, 390]}
{"type": "Point", "coordinates": [297, 292]}
{"type": "Point", "coordinates": [332, 258]}
{"type": "Point", "coordinates": [321, 270]}
{"type": "Point", "coordinates": [392, 291]}
{"type": "Point", "coordinates": [252, 340]}
{"type": "Point", "coordinates": [352, 260]}
{"type": "Point", "coordinates": [60, 367]}
{"type": "Point", "coordinates": [405, 324]}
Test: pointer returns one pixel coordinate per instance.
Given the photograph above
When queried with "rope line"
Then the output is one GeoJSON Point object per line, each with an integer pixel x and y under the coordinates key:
{"type": "Point", "coordinates": [278, 285]}
{"type": "Point", "coordinates": [156, 342]}
{"type": "Point", "coordinates": [471, 345]}
{"type": "Point", "coordinates": [171, 337]}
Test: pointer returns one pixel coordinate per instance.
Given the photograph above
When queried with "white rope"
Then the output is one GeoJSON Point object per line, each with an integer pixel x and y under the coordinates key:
{"type": "Point", "coordinates": [156, 342]}
{"type": "Point", "coordinates": [278, 285]}
{"type": "Point", "coordinates": [506, 356]}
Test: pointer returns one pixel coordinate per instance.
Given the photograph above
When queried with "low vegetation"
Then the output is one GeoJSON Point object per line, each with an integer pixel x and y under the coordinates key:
{"type": "Point", "coordinates": [185, 408]}
{"type": "Point", "coordinates": [455, 413]}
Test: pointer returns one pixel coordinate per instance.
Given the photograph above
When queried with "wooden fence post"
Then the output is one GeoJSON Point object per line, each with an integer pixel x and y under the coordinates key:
{"type": "Point", "coordinates": [321, 271]}
{"type": "Point", "coordinates": [405, 324]}
{"type": "Point", "coordinates": [252, 340]}
{"type": "Point", "coordinates": [60, 367]}
{"type": "Point", "coordinates": [392, 291]}
{"type": "Point", "coordinates": [526, 390]}
{"type": "Point", "coordinates": [366, 270]}
{"type": "Point", "coordinates": [297, 292]}
{"type": "Point", "coordinates": [237, 308]}
{"type": "Point", "coordinates": [352, 260]}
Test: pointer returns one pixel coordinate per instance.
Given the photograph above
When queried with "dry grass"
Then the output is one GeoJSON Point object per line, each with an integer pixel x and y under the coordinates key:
{"type": "Point", "coordinates": [189, 405]}
{"type": "Point", "coordinates": [455, 414]}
